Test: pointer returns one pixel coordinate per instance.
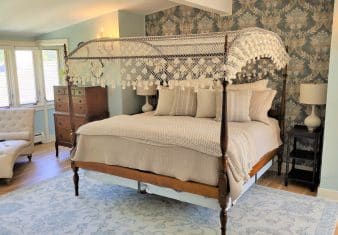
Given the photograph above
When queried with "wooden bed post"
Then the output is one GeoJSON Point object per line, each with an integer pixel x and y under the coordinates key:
{"type": "Point", "coordinates": [280, 152]}
{"type": "Point", "coordinates": [72, 124]}
{"type": "Point", "coordinates": [223, 179]}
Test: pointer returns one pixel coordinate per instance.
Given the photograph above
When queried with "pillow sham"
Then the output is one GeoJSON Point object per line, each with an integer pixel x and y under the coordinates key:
{"type": "Point", "coordinates": [238, 105]}
{"type": "Point", "coordinates": [185, 102]}
{"type": "Point", "coordinates": [165, 101]}
{"type": "Point", "coordinates": [261, 102]}
{"type": "Point", "coordinates": [206, 104]}
{"type": "Point", "coordinates": [257, 86]}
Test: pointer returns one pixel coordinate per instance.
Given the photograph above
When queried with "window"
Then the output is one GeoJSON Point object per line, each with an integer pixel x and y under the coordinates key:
{"type": "Point", "coordinates": [4, 100]}
{"type": "Point", "coordinates": [50, 72]}
{"type": "Point", "coordinates": [26, 76]}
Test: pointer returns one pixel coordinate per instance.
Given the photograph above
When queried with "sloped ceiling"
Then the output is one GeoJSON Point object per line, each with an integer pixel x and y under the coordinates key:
{"type": "Point", "coordinates": [31, 18]}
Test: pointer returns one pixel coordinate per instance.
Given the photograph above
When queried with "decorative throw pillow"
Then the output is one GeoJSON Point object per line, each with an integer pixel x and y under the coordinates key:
{"type": "Point", "coordinates": [165, 101]}
{"type": "Point", "coordinates": [238, 105]}
{"type": "Point", "coordinates": [206, 103]}
{"type": "Point", "coordinates": [185, 102]}
{"type": "Point", "coordinates": [261, 102]}
{"type": "Point", "coordinates": [255, 86]}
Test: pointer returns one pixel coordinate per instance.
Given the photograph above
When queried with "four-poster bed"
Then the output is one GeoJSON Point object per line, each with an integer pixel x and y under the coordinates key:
{"type": "Point", "coordinates": [216, 59]}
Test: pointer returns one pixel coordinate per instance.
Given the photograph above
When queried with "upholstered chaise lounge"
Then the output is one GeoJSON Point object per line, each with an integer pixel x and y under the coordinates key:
{"type": "Point", "coordinates": [16, 137]}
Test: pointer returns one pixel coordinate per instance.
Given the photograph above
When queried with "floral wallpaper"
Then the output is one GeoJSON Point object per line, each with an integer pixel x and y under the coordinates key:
{"type": "Point", "coordinates": [304, 26]}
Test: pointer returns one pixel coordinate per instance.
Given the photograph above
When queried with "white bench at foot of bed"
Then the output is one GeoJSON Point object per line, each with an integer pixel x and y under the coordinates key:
{"type": "Point", "coordinates": [170, 193]}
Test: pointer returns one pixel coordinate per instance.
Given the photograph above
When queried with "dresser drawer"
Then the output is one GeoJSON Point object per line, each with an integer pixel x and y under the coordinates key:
{"type": "Point", "coordinates": [61, 103]}
{"type": "Point", "coordinates": [79, 92]}
{"type": "Point", "coordinates": [63, 135]}
{"type": "Point", "coordinates": [80, 108]}
{"type": "Point", "coordinates": [79, 121]}
{"type": "Point", "coordinates": [62, 122]}
{"type": "Point", "coordinates": [60, 90]}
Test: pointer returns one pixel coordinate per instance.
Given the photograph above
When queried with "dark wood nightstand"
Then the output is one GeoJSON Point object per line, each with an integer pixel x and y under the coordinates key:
{"type": "Point", "coordinates": [313, 156]}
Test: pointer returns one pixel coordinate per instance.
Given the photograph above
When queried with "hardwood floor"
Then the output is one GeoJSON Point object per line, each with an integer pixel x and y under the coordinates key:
{"type": "Point", "coordinates": [45, 165]}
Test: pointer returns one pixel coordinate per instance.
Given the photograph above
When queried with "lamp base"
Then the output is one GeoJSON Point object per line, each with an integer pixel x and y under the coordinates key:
{"type": "Point", "coordinates": [147, 107]}
{"type": "Point", "coordinates": [312, 121]}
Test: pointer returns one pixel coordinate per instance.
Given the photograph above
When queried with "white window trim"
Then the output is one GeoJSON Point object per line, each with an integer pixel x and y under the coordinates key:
{"type": "Point", "coordinates": [11, 71]}
{"type": "Point", "coordinates": [12, 80]}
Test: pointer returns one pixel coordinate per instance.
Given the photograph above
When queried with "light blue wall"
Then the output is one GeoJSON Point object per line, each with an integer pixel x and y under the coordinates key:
{"type": "Point", "coordinates": [39, 121]}
{"type": "Point", "coordinates": [116, 24]}
{"type": "Point", "coordinates": [131, 25]}
{"type": "Point", "coordinates": [86, 30]}
{"type": "Point", "coordinates": [329, 174]}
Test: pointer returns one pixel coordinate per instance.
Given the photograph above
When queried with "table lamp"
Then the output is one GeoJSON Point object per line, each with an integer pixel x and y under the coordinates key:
{"type": "Point", "coordinates": [313, 94]}
{"type": "Point", "coordinates": [146, 91]}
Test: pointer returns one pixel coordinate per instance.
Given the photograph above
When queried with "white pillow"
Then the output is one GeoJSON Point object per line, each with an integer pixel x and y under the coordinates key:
{"type": "Point", "coordinates": [238, 105]}
{"type": "Point", "coordinates": [256, 86]}
{"type": "Point", "coordinates": [185, 102]}
{"type": "Point", "coordinates": [165, 101]}
{"type": "Point", "coordinates": [261, 102]}
{"type": "Point", "coordinates": [206, 103]}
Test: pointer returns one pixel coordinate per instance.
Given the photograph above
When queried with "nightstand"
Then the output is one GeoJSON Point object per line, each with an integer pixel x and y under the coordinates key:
{"type": "Point", "coordinates": [312, 155]}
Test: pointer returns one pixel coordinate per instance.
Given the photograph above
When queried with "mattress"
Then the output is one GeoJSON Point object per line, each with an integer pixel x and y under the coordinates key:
{"type": "Point", "coordinates": [175, 160]}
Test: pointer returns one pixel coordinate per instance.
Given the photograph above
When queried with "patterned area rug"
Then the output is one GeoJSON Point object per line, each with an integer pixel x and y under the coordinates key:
{"type": "Point", "coordinates": [51, 208]}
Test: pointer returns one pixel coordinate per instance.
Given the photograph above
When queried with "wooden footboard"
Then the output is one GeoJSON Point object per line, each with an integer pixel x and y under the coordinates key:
{"type": "Point", "coordinates": [161, 180]}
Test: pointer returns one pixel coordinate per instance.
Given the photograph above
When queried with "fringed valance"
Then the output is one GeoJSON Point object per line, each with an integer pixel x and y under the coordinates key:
{"type": "Point", "coordinates": [200, 59]}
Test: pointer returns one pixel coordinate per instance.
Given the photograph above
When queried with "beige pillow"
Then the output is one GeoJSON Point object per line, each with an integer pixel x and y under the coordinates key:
{"type": "Point", "coordinates": [206, 103]}
{"type": "Point", "coordinates": [256, 86]}
{"type": "Point", "coordinates": [261, 102]}
{"type": "Point", "coordinates": [185, 102]}
{"type": "Point", "coordinates": [165, 101]}
{"type": "Point", "coordinates": [238, 105]}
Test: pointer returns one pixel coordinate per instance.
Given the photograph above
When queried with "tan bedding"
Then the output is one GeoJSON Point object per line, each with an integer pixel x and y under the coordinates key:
{"type": "Point", "coordinates": [182, 147]}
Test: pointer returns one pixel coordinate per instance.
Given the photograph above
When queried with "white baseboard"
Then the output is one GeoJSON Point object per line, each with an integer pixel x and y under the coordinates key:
{"type": "Point", "coordinates": [50, 138]}
{"type": "Point", "coordinates": [327, 194]}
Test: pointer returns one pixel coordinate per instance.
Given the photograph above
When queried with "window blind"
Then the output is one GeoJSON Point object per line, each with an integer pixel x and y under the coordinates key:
{"type": "Point", "coordinates": [26, 76]}
{"type": "Point", "coordinates": [50, 71]}
{"type": "Point", "coordinates": [4, 96]}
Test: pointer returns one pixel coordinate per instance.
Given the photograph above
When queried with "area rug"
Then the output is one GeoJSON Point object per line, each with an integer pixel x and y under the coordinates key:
{"type": "Point", "coordinates": [102, 208]}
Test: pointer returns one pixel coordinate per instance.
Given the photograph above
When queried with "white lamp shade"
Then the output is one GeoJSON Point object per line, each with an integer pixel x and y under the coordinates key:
{"type": "Point", "coordinates": [313, 93]}
{"type": "Point", "coordinates": [146, 90]}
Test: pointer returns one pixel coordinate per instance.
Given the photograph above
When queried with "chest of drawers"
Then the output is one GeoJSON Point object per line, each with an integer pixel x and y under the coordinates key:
{"type": "Point", "coordinates": [89, 103]}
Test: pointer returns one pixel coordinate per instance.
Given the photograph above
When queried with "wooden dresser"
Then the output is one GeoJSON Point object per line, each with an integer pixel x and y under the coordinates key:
{"type": "Point", "coordinates": [90, 104]}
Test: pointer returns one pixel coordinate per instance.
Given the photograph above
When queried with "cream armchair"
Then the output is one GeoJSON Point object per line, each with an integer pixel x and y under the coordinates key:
{"type": "Point", "coordinates": [16, 137]}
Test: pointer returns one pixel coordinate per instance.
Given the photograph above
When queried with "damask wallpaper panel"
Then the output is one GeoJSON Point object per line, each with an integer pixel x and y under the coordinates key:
{"type": "Point", "coordinates": [304, 26]}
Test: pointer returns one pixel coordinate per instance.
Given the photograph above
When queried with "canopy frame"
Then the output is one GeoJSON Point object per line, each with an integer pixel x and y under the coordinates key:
{"type": "Point", "coordinates": [232, 42]}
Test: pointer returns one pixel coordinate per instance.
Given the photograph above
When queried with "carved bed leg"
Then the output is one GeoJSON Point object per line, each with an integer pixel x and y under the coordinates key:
{"type": "Point", "coordinates": [223, 202]}
{"type": "Point", "coordinates": [76, 179]}
{"type": "Point", "coordinates": [223, 217]}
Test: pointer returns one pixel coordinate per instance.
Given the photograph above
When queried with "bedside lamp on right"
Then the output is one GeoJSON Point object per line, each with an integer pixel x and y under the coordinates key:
{"type": "Point", "coordinates": [313, 94]}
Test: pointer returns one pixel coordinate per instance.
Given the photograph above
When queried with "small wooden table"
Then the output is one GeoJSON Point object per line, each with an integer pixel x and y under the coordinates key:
{"type": "Point", "coordinates": [312, 154]}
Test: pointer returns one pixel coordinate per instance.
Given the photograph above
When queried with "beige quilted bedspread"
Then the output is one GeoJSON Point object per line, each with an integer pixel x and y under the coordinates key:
{"type": "Point", "coordinates": [199, 134]}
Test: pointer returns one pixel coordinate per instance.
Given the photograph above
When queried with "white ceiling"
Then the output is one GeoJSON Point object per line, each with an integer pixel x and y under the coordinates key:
{"type": "Point", "coordinates": [30, 18]}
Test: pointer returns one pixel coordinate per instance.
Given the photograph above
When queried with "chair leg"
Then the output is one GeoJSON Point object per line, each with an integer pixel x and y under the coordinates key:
{"type": "Point", "coordinates": [29, 157]}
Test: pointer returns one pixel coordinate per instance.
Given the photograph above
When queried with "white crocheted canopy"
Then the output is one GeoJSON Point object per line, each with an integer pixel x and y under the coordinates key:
{"type": "Point", "coordinates": [145, 61]}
